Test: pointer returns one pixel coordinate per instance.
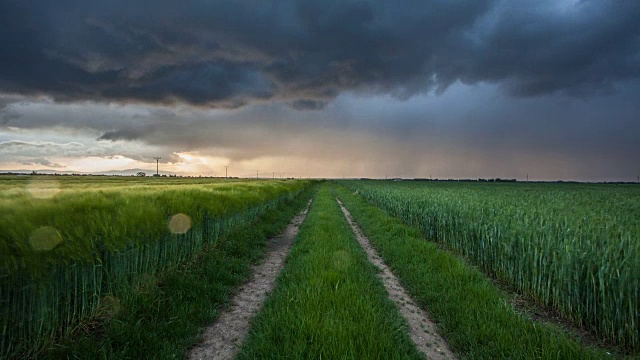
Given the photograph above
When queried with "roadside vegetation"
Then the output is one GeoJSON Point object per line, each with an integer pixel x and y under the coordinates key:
{"type": "Point", "coordinates": [162, 316]}
{"type": "Point", "coordinates": [69, 246]}
{"type": "Point", "coordinates": [573, 247]}
{"type": "Point", "coordinates": [328, 302]}
{"type": "Point", "coordinates": [477, 319]}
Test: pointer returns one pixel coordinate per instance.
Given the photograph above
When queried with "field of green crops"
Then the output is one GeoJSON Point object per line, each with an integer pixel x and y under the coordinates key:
{"type": "Point", "coordinates": [575, 247]}
{"type": "Point", "coordinates": [117, 267]}
{"type": "Point", "coordinates": [66, 242]}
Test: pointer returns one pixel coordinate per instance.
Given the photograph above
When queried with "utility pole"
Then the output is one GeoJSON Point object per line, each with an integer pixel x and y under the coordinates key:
{"type": "Point", "coordinates": [527, 177]}
{"type": "Point", "coordinates": [274, 174]}
{"type": "Point", "coordinates": [225, 172]}
{"type": "Point", "coordinates": [257, 174]}
{"type": "Point", "coordinates": [157, 166]}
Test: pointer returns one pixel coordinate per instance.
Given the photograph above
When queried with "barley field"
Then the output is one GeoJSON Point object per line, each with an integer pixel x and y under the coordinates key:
{"type": "Point", "coordinates": [574, 247]}
{"type": "Point", "coordinates": [66, 242]}
{"type": "Point", "coordinates": [115, 267]}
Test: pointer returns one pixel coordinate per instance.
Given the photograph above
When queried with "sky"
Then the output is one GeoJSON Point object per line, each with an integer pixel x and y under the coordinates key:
{"type": "Point", "coordinates": [548, 89]}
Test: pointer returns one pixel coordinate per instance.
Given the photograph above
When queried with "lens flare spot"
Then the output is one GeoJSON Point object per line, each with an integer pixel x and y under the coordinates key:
{"type": "Point", "coordinates": [110, 306]}
{"type": "Point", "coordinates": [179, 223]}
{"type": "Point", "coordinates": [45, 238]}
{"type": "Point", "coordinates": [44, 189]}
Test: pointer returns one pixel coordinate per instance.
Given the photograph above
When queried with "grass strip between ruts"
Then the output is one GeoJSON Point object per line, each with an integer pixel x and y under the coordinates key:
{"type": "Point", "coordinates": [475, 317]}
{"type": "Point", "coordinates": [163, 317]}
{"type": "Point", "coordinates": [328, 302]}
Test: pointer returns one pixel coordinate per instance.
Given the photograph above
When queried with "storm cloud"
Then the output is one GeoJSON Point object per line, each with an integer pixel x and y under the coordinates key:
{"type": "Point", "coordinates": [228, 54]}
{"type": "Point", "coordinates": [412, 88]}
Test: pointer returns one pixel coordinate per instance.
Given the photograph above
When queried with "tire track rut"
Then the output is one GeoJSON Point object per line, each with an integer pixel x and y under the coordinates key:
{"type": "Point", "coordinates": [224, 337]}
{"type": "Point", "coordinates": [423, 332]}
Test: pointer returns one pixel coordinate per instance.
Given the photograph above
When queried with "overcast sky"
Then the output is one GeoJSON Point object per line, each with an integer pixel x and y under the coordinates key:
{"type": "Point", "coordinates": [323, 88]}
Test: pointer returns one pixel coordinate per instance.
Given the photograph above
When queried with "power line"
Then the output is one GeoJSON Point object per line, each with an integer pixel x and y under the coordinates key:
{"type": "Point", "coordinates": [157, 166]}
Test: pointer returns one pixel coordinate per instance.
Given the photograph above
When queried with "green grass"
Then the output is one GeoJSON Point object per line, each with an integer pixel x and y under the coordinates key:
{"type": "Point", "coordinates": [162, 316]}
{"type": "Point", "coordinates": [573, 247]}
{"type": "Point", "coordinates": [328, 302]}
{"type": "Point", "coordinates": [475, 317]}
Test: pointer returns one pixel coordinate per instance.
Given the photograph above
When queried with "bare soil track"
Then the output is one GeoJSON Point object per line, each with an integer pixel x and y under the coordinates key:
{"type": "Point", "coordinates": [224, 337]}
{"type": "Point", "coordinates": [423, 331]}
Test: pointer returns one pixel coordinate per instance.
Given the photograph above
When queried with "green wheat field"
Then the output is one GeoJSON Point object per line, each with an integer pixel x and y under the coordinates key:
{"type": "Point", "coordinates": [127, 267]}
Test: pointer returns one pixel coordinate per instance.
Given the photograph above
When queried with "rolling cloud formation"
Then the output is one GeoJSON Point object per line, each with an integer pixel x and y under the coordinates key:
{"type": "Point", "coordinates": [230, 53]}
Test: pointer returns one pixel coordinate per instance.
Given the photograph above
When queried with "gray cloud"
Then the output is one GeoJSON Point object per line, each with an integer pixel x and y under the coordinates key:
{"type": "Point", "coordinates": [5, 101]}
{"type": "Point", "coordinates": [123, 134]}
{"type": "Point", "coordinates": [481, 126]}
{"type": "Point", "coordinates": [546, 87]}
{"type": "Point", "coordinates": [477, 129]}
{"type": "Point", "coordinates": [40, 161]}
{"type": "Point", "coordinates": [17, 145]}
{"type": "Point", "coordinates": [7, 113]}
{"type": "Point", "coordinates": [467, 132]}
{"type": "Point", "coordinates": [307, 104]}
{"type": "Point", "coordinates": [38, 152]}
{"type": "Point", "coordinates": [232, 53]}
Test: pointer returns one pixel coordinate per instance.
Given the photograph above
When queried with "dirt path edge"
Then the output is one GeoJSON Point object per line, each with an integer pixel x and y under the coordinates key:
{"type": "Point", "coordinates": [223, 338]}
{"type": "Point", "coordinates": [423, 332]}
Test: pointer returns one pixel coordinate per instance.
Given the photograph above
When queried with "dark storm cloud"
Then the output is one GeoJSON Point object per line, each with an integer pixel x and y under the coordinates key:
{"type": "Point", "coordinates": [306, 104]}
{"type": "Point", "coordinates": [6, 112]}
{"type": "Point", "coordinates": [305, 53]}
{"type": "Point", "coordinates": [128, 133]}
{"type": "Point", "coordinates": [575, 47]}
{"type": "Point", "coordinates": [5, 101]}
